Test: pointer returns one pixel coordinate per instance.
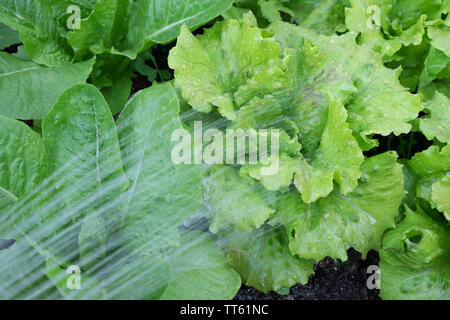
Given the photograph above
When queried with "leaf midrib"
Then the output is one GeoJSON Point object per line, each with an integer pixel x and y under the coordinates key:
{"type": "Point", "coordinates": [9, 194]}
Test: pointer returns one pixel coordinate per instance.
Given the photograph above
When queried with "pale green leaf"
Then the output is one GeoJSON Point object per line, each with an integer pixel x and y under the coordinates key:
{"type": "Point", "coordinates": [224, 190]}
{"type": "Point", "coordinates": [332, 225]}
{"type": "Point", "coordinates": [211, 67]}
{"type": "Point", "coordinates": [437, 123]}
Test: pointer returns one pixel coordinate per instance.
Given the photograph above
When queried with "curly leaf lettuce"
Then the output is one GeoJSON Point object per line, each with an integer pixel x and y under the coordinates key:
{"type": "Point", "coordinates": [264, 261]}
{"type": "Point", "coordinates": [381, 105]}
{"type": "Point", "coordinates": [323, 16]}
{"type": "Point", "coordinates": [224, 187]}
{"type": "Point", "coordinates": [433, 166]}
{"type": "Point", "coordinates": [211, 67]}
{"type": "Point", "coordinates": [415, 258]}
{"type": "Point", "coordinates": [329, 226]}
{"type": "Point", "coordinates": [437, 122]}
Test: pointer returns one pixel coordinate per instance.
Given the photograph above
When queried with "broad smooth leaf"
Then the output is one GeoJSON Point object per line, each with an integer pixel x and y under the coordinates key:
{"type": "Point", "coordinates": [28, 90]}
{"type": "Point", "coordinates": [84, 167]}
{"type": "Point", "coordinates": [199, 270]}
{"type": "Point", "coordinates": [8, 36]}
{"type": "Point", "coordinates": [162, 195]}
{"type": "Point", "coordinates": [160, 21]}
{"type": "Point", "coordinates": [22, 164]}
{"type": "Point", "coordinates": [23, 274]}
{"type": "Point", "coordinates": [22, 159]}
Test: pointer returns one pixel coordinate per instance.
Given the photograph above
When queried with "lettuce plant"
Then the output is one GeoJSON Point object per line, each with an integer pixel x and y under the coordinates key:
{"type": "Point", "coordinates": [90, 189]}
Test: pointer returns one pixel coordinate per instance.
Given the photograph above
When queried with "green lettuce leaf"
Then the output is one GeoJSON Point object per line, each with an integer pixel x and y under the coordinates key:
{"type": "Point", "coordinates": [22, 164]}
{"type": "Point", "coordinates": [99, 30]}
{"type": "Point", "coordinates": [438, 32]}
{"type": "Point", "coordinates": [96, 142]}
{"type": "Point", "coordinates": [211, 67]}
{"type": "Point", "coordinates": [264, 261]}
{"type": "Point", "coordinates": [274, 182]}
{"type": "Point", "coordinates": [337, 139]}
{"type": "Point", "coordinates": [323, 16]}
{"type": "Point", "coordinates": [139, 278]}
{"type": "Point", "coordinates": [224, 187]}
{"type": "Point", "coordinates": [432, 166]}
{"type": "Point", "coordinates": [436, 66]}
{"type": "Point", "coordinates": [117, 95]}
{"type": "Point", "coordinates": [39, 28]}
{"type": "Point", "coordinates": [415, 259]}
{"type": "Point", "coordinates": [8, 36]}
{"type": "Point", "coordinates": [330, 226]}
{"type": "Point", "coordinates": [381, 104]}
{"type": "Point", "coordinates": [159, 21]}
{"type": "Point", "coordinates": [196, 270]}
{"type": "Point", "coordinates": [24, 85]}
{"type": "Point", "coordinates": [82, 148]}
{"type": "Point", "coordinates": [437, 123]}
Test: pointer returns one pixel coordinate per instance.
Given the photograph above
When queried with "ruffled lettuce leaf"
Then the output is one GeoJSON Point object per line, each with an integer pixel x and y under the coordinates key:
{"type": "Point", "coordinates": [433, 166]}
{"type": "Point", "coordinates": [437, 122]}
{"type": "Point", "coordinates": [323, 16]}
{"type": "Point", "coordinates": [407, 34]}
{"type": "Point", "coordinates": [331, 225]}
{"type": "Point", "coordinates": [381, 104]}
{"type": "Point", "coordinates": [211, 67]}
{"type": "Point", "coordinates": [264, 261]}
{"type": "Point", "coordinates": [415, 259]}
{"type": "Point", "coordinates": [300, 94]}
{"type": "Point", "coordinates": [225, 189]}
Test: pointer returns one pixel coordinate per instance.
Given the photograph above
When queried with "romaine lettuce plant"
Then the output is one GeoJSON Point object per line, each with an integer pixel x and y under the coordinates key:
{"type": "Point", "coordinates": [90, 195]}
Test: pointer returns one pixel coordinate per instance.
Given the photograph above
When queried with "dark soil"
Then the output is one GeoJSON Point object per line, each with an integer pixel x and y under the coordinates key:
{"type": "Point", "coordinates": [161, 53]}
{"type": "Point", "coordinates": [331, 281]}
{"type": "Point", "coordinates": [140, 82]}
{"type": "Point", "coordinates": [406, 145]}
